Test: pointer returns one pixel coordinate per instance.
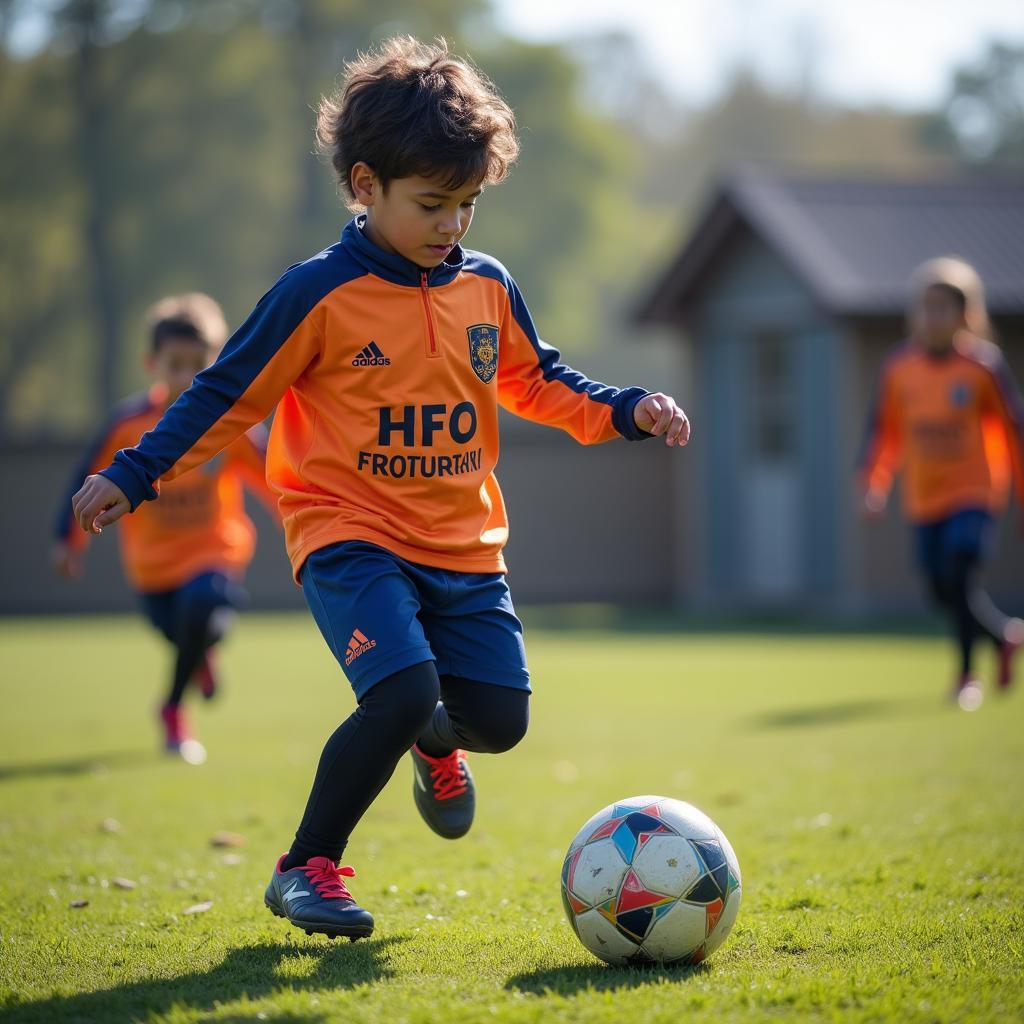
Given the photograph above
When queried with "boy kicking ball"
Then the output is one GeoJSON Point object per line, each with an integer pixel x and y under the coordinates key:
{"type": "Point", "coordinates": [387, 356]}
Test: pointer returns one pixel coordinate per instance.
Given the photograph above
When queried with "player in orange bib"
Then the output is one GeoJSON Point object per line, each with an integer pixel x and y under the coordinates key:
{"type": "Point", "coordinates": [388, 356]}
{"type": "Point", "coordinates": [185, 555]}
{"type": "Point", "coordinates": [949, 415]}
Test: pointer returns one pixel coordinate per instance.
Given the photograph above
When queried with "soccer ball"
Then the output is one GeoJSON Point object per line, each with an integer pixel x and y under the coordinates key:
{"type": "Point", "coordinates": [651, 879]}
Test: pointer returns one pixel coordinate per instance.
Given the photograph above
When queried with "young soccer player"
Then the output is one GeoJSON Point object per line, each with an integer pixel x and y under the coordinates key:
{"type": "Point", "coordinates": [185, 555]}
{"type": "Point", "coordinates": [949, 414]}
{"type": "Point", "coordinates": [388, 355]}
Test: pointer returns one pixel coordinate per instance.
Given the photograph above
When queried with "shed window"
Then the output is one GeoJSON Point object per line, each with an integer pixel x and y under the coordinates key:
{"type": "Point", "coordinates": [774, 404]}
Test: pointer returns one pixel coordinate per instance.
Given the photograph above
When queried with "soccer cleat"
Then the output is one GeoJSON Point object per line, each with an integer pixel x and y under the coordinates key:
{"type": "Point", "coordinates": [1013, 640]}
{"type": "Point", "coordinates": [444, 792]}
{"type": "Point", "coordinates": [178, 738]}
{"type": "Point", "coordinates": [314, 897]}
{"type": "Point", "coordinates": [968, 693]}
{"type": "Point", "coordinates": [205, 676]}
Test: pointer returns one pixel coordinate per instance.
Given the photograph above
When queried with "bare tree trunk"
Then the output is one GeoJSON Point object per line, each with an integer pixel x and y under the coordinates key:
{"type": "Point", "coordinates": [85, 18]}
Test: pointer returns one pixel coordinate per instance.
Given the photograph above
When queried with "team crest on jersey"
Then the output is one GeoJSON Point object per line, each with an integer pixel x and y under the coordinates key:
{"type": "Point", "coordinates": [959, 395]}
{"type": "Point", "coordinates": [483, 350]}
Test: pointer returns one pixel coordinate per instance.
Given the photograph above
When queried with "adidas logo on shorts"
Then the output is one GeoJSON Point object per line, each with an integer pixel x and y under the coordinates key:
{"type": "Point", "coordinates": [359, 644]}
{"type": "Point", "coordinates": [371, 356]}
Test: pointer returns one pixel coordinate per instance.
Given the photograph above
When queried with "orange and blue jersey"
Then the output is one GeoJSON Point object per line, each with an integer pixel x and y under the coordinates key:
{"type": "Point", "coordinates": [953, 423]}
{"type": "Point", "coordinates": [387, 380]}
{"type": "Point", "coordinates": [200, 525]}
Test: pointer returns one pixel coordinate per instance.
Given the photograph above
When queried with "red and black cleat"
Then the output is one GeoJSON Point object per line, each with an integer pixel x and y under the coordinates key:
{"type": "Point", "coordinates": [1013, 640]}
{"type": "Point", "coordinates": [178, 738]}
{"type": "Point", "coordinates": [444, 792]}
{"type": "Point", "coordinates": [314, 897]}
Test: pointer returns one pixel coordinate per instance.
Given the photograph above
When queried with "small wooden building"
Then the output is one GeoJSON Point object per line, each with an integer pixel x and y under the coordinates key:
{"type": "Point", "coordinates": [787, 294]}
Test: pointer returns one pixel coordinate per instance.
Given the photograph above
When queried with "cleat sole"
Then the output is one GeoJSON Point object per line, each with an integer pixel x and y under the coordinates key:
{"type": "Point", "coordinates": [352, 932]}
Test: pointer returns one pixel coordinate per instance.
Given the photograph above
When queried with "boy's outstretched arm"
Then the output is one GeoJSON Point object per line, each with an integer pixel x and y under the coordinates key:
{"type": "Point", "coordinates": [881, 452]}
{"type": "Point", "coordinates": [261, 360]}
{"type": "Point", "coordinates": [534, 384]}
{"type": "Point", "coordinates": [1002, 401]}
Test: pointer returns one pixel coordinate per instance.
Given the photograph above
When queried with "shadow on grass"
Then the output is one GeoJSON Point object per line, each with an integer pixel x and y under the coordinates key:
{"type": "Point", "coordinates": [828, 714]}
{"type": "Point", "coordinates": [93, 764]}
{"type": "Point", "coordinates": [568, 981]}
{"type": "Point", "coordinates": [253, 972]}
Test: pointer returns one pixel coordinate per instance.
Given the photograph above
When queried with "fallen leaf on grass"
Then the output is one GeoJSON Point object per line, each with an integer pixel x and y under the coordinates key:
{"type": "Point", "coordinates": [227, 839]}
{"type": "Point", "coordinates": [199, 908]}
{"type": "Point", "coordinates": [123, 883]}
{"type": "Point", "coordinates": [78, 904]}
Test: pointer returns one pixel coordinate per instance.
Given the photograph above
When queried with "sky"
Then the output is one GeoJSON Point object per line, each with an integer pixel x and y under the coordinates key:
{"type": "Point", "coordinates": [896, 52]}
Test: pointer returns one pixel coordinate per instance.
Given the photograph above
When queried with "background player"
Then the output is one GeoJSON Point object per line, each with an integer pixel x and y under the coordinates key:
{"type": "Point", "coordinates": [949, 414]}
{"type": "Point", "coordinates": [185, 555]}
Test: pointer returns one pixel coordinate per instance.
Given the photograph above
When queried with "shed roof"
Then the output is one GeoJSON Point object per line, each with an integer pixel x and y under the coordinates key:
{"type": "Point", "coordinates": [855, 242]}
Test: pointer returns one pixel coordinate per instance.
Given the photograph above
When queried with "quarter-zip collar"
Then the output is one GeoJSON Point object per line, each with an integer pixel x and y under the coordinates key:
{"type": "Point", "coordinates": [392, 267]}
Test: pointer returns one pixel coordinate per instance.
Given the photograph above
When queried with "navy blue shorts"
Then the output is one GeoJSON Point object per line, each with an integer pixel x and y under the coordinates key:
{"type": "Point", "coordinates": [380, 614]}
{"type": "Point", "coordinates": [170, 610]}
{"type": "Point", "coordinates": [963, 534]}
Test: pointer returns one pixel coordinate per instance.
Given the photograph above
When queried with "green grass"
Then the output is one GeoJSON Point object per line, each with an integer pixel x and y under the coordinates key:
{"type": "Point", "coordinates": [880, 833]}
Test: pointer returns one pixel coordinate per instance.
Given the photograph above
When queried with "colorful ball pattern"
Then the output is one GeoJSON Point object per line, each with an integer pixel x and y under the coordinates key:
{"type": "Point", "coordinates": [651, 879]}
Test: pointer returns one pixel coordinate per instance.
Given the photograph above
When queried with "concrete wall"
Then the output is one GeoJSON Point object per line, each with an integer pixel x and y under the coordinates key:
{"type": "Point", "coordinates": [588, 524]}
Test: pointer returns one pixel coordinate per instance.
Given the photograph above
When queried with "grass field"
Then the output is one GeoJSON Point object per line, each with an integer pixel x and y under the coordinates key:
{"type": "Point", "coordinates": [880, 833]}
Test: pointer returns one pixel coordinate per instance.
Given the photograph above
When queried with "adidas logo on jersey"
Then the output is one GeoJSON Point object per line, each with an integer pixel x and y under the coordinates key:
{"type": "Point", "coordinates": [371, 356]}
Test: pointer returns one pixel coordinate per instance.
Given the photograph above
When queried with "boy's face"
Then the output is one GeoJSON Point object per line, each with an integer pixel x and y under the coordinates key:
{"type": "Point", "coordinates": [937, 318]}
{"type": "Point", "coordinates": [176, 362]}
{"type": "Point", "coordinates": [416, 218]}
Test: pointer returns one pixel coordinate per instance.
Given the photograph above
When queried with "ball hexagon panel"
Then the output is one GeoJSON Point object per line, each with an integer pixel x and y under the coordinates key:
{"type": "Point", "coordinates": [603, 939]}
{"type": "Point", "coordinates": [595, 872]}
{"type": "Point", "coordinates": [668, 864]}
{"type": "Point", "coordinates": [677, 933]}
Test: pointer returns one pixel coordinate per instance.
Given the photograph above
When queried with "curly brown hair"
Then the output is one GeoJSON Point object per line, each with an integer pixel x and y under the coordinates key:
{"type": "Point", "coordinates": [193, 317]}
{"type": "Point", "coordinates": [409, 108]}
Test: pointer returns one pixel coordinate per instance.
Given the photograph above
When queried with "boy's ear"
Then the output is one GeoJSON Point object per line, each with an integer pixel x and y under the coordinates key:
{"type": "Point", "coordinates": [365, 186]}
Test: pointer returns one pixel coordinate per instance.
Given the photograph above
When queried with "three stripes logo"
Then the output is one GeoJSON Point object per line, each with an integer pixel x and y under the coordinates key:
{"type": "Point", "coordinates": [371, 356]}
{"type": "Point", "coordinates": [359, 644]}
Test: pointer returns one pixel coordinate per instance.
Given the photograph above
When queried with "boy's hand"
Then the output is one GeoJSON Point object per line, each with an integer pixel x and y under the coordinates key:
{"type": "Point", "coordinates": [658, 414]}
{"type": "Point", "coordinates": [874, 504]}
{"type": "Point", "coordinates": [99, 503]}
{"type": "Point", "coordinates": [66, 561]}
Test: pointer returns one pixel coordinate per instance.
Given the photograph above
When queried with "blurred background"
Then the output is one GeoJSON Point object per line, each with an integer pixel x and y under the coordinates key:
{"type": "Point", "coordinates": [718, 198]}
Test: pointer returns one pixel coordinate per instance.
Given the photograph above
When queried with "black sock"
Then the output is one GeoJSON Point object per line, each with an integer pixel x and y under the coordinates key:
{"type": "Point", "coordinates": [360, 757]}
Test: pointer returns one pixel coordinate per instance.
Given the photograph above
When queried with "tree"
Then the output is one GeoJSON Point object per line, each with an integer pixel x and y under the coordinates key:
{"type": "Point", "coordinates": [982, 117]}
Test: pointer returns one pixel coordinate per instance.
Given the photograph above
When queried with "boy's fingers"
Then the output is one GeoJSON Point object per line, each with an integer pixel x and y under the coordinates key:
{"type": "Point", "coordinates": [651, 410]}
{"type": "Point", "coordinates": [109, 515]}
{"type": "Point", "coordinates": [678, 430]}
{"type": "Point", "coordinates": [657, 409]}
